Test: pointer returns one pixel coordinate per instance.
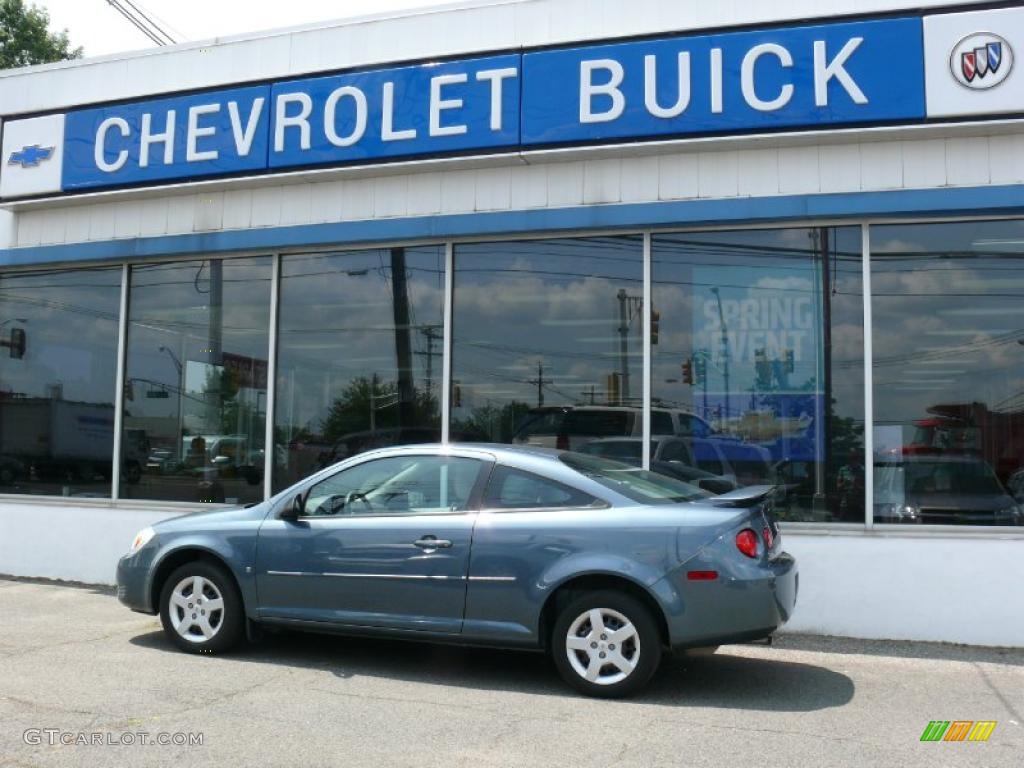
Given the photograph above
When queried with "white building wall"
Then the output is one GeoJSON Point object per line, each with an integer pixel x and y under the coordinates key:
{"type": "Point", "coordinates": [884, 161]}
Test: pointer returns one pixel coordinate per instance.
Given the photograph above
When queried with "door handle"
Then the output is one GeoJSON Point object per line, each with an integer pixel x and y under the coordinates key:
{"type": "Point", "coordinates": [432, 542]}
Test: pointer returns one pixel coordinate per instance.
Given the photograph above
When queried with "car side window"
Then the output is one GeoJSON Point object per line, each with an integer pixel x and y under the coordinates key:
{"type": "Point", "coordinates": [661, 423]}
{"type": "Point", "coordinates": [707, 458]}
{"type": "Point", "coordinates": [514, 489]}
{"type": "Point", "coordinates": [675, 450]}
{"type": "Point", "coordinates": [396, 485]}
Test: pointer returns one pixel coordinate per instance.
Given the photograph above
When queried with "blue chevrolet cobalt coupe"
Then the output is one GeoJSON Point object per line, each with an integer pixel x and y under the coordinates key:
{"type": "Point", "coordinates": [602, 564]}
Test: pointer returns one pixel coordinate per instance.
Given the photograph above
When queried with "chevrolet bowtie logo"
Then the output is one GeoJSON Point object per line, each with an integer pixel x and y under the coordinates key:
{"type": "Point", "coordinates": [31, 156]}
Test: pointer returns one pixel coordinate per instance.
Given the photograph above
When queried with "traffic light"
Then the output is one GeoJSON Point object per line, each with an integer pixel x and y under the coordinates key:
{"type": "Point", "coordinates": [611, 388]}
{"type": "Point", "coordinates": [790, 361]}
{"type": "Point", "coordinates": [655, 323]}
{"type": "Point", "coordinates": [700, 369]}
{"type": "Point", "coordinates": [688, 372]}
{"type": "Point", "coordinates": [17, 343]}
{"type": "Point", "coordinates": [762, 368]}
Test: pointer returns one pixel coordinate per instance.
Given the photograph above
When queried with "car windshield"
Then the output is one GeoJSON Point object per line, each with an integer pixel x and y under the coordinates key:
{"type": "Point", "coordinates": [635, 484]}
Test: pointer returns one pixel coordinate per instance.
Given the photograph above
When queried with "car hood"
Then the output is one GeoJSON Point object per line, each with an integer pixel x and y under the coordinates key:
{"type": "Point", "coordinates": [212, 516]}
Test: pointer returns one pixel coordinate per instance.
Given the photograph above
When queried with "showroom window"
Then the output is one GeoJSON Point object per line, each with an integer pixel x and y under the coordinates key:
{"type": "Point", "coordinates": [547, 341]}
{"type": "Point", "coordinates": [195, 391]}
{"type": "Point", "coordinates": [757, 365]}
{"type": "Point", "coordinates": [58, 362]}
{"type": "Point", "coordinates": [360, 355]}
{"type": "Point", "coordinates": [948, 368]}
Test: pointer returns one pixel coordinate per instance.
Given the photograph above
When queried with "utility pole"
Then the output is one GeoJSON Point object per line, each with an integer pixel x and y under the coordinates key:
{"type": "Point", "coordinates": [540, 381]}
{"type": "Point", "coordinates": [623, 344]}
{"type": "Point", "coordinates": [433, 334]}
{"type": "Point", "coordinates": [725, 349]}
{"type": "Point", "coordinates": [403, 339]}
{"type": "Point", "coordinates": [629, 307]}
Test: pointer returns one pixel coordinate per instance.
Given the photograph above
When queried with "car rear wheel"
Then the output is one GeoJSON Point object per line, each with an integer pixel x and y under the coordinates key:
{"type": "Point", "coordinates": [201, 610]}
{"type": "Point", "coordinates": [606, 644]}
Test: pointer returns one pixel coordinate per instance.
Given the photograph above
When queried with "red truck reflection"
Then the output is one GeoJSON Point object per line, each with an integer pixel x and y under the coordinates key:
{"type": "Point", "coordinates": [972, 429]}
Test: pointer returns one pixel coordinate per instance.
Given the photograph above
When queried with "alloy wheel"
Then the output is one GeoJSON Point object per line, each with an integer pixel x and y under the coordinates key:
{"type": "Point", "coordinates": [196, 609]}
{"type": "Point", "coordinates": [603, 646]}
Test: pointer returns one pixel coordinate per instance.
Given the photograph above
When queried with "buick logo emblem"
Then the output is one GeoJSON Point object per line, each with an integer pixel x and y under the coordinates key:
{"type": "Point", "coordinates": [981, 61]}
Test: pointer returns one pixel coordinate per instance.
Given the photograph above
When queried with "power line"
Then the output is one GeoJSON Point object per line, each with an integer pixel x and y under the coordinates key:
{"type": "Point", "coordinates": [149, 18]}
{"type": "Point", "coordinates": [143, 24]}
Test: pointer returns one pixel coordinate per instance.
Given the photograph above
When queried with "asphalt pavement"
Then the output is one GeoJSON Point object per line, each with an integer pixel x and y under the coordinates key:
{"type": "Point", "coordinates": [85, 682]}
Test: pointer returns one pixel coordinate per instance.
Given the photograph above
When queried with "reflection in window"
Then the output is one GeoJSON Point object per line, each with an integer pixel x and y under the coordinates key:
{"type": "Point", "coordinates": [360, 354]}
{"type": "Point", "coordinates": [759, 359]}
{"type": "Point", "coordinates": [58, 361]}
{"type": "Point", "coordinates": [949, 372]}
{"type": "Point", "coordinates": [548, 341]}
{"type": "Point", "coordinates": [196, 381]}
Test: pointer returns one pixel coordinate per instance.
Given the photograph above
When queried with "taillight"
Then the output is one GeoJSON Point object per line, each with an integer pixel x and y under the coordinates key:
{"type": "Point", "coordinates": [768, 538]}
{"type": "Point", "coordinates": [746, 542]}
{"type": "Point", "coordinates": [562, 442]}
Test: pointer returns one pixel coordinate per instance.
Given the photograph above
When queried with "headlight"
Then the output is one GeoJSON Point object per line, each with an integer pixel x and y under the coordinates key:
{"type": "Point", "coordinates": [142, 538]}
{"type": "Point", "coordinates": [1012, 515]}
{"type": "Point", "coordinates": [898, 513]}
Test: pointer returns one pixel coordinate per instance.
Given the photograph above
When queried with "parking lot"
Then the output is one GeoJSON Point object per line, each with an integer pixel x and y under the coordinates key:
{"type": "Point", "coordinates": [74, 663]}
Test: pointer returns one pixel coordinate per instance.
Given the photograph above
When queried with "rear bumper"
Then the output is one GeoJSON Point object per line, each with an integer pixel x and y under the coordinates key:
{"type": "Point", "coordinates": [748, 602]}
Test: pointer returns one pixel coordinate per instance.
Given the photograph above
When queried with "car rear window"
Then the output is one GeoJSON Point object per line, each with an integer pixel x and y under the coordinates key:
{"type": "Point", "coordinates": [545, 423]}
{"type": "Point", "coordinates": [635, 484]}
{"type": "Point", "coordinates": [620, 450]}
{"type": "Point", "coordinates": [514, 489]}
{"type": "Point", "coordinates": [599, 423]}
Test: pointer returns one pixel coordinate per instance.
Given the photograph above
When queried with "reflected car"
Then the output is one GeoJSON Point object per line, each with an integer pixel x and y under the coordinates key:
{"type": "Point", "coordinates": [942, 490]}
{"type": "Point", "coordinates": [731, 461]}
{"type": "Point", "coordinates": [569, 427]}
{"type": "Point", "coordinates": [669, 456]}
{"type": "Point", "coordinates": [600, 564]}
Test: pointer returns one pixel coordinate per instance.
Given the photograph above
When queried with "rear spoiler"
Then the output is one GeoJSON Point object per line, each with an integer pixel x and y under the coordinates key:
{"type": "Point", "coordinates": [743, 497]}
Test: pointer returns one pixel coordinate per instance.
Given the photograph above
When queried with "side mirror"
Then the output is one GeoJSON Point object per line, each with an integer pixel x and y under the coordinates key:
{"type": "Point", "coordinates": [295, 510]}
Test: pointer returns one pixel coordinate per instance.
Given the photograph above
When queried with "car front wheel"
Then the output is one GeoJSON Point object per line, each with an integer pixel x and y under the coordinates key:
{"type": "Point", "coordinates": [201, 610]}
{"type": "Point", "coordinates": [606, 644]}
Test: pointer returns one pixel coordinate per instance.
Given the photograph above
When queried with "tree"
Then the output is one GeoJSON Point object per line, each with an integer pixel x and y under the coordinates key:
{"type": "Point", "coordinates": [25, 37]}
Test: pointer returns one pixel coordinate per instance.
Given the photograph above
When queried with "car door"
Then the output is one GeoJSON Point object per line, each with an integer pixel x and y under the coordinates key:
{"type": "Point", "coordinates": [381, 543]}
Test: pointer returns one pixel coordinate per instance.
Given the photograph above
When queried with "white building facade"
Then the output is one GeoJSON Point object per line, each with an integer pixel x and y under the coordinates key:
{"type": "Point", "coordinates": [741, 242]}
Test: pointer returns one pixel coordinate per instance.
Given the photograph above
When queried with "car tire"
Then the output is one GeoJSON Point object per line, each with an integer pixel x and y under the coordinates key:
{"type": "Point", "coordinates": [201, 609]}
{"type": "Point", "coordinates": [595, 665]}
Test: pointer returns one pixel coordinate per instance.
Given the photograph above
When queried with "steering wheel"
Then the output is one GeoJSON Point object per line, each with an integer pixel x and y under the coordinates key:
{"type": "Point", "coordinates": [360, 496]}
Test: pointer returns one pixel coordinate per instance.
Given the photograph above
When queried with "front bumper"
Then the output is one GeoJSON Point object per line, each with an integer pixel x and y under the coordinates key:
{"type": "Point", "coordinates": [749, 601]}
{"type": "Point", "coordinates": [133, 581]}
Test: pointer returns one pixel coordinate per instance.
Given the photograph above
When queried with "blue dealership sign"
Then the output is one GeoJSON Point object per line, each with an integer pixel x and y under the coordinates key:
{"type": "Point", "coordinates": [739, 81]}
{"type": "Point", "coordinates": [421, 110]}
{"type": "Point", "coordinates": [811, 77]}
{"type": "Point", "coordinates": [204, 134]}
